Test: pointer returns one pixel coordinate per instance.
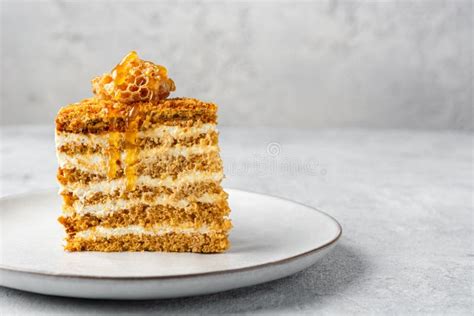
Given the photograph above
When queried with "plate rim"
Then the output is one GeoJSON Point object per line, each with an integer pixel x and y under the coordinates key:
{"type": "Point", "coordinates": [310, 252]}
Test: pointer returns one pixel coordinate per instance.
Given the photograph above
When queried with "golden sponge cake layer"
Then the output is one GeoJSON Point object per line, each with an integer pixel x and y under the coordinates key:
{"type": "Point", "coordinates": [170, 242]}
{"type": "Point", "coordinates": [126, 169]}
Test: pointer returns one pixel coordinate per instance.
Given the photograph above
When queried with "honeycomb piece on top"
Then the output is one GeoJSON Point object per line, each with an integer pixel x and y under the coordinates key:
{"type": "Point", "coordinates": [134, 80]}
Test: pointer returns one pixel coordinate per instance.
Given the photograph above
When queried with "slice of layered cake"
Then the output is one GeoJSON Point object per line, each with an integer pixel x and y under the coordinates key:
{"type": "Point", "coordinates": [139, 172]}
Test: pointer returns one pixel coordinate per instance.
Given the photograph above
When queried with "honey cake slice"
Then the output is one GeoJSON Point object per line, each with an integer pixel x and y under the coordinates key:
{"type": "Point", "coordinates": [138, 172]}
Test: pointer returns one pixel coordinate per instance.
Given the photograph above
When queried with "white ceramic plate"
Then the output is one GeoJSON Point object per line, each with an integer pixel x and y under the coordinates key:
{"type": "Point", "coordinates": [272, 238]}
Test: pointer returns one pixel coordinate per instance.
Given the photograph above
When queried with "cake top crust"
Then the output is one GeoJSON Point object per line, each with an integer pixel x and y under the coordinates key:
{"type": "Point", "coordinates": [98, 116]}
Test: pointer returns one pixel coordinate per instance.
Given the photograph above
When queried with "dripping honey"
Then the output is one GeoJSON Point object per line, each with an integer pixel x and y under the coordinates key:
{"type": "Point", "coordinates": [114, 145]}
{"type": "Point", "coordinates": [131, 149]}
{"type": "Point", "coordinates": [120, 72]}
{"type": "Point", "coordinates": [131, 77]}
{"type": "Point", "coordinates": [129, 145]}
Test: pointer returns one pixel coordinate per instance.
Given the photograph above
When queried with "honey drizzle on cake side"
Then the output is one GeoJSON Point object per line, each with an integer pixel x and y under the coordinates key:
{"type": "Point", "coordinates": [120, 75]}
{"type": "Point", "coordinates": [130, 144]}
{"type": "Point", "coordinates": [131, 149]}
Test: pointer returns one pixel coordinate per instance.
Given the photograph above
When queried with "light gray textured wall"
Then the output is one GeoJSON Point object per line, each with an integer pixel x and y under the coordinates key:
{"type": "Point", "coordinates": [285, 63]}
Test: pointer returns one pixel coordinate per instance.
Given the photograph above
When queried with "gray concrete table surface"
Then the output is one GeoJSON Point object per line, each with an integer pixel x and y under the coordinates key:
{"type": "Point", "coordinates": [403, 197]}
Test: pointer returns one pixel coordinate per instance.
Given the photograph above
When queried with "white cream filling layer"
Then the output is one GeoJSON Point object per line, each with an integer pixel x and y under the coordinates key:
{"type": "Point", "coordinates": [102, 140]}
{"type": "Point", "coordinates": [110, 207]}
{"type": "Point", "coordinates": [177, 131]}
{"type": "Point", "coordinates": [99, 162]}
{"type": "Point", "coordinates": [100, 231]}
{"type": "Point", "coordinates": [108, 187]}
